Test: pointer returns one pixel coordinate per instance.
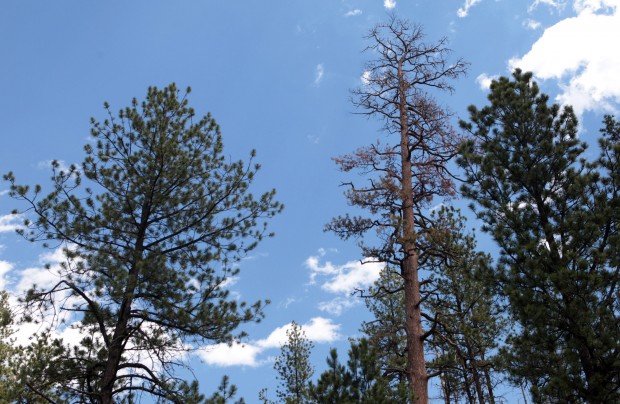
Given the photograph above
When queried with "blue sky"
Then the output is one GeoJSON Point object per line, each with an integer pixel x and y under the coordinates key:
{"type": "Point", "coordinates": [276, 76]}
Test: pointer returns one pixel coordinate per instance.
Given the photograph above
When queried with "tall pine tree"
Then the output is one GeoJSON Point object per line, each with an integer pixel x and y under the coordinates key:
{"type": "Point", "coordinates": [555, 218]}
{"type": "Point", "coordinates": [148, 245]}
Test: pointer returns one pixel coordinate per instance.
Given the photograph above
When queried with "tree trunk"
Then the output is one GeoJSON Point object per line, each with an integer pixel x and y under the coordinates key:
{"type": "Point", "coordinates": [115, 351]}
{"type": "Point", "coordinates": [478, 385]}
{"type": "Point", "coordinates": [475, 374]}
{"type": "Point", "coordinates": [117, 343]}
{"type": "Point", "coordinates": [416, 365]}
{"type": "Point", "coordinates": [489, 383]}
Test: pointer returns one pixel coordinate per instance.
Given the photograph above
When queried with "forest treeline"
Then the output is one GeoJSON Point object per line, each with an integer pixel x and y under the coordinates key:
{"type": "Point", "coordinates": [154, 220]}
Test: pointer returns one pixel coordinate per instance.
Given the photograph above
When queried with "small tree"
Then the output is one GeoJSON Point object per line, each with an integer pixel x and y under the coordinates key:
{"type": "Point", "coordinates": [293, 367]}
{"type": "Point", "coordinates": [407, 174]}
{"type": "Point", "coordinates": [148, 246]}
{"type": "Point", "coordinates": [361, 381]}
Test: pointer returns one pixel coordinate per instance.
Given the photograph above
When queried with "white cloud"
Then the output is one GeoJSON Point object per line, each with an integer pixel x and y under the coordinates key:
{"type": "Point", "coordinates": [531, 24]}
{"type": "Point", "coordinates": [4, 268]}
{"type": "Point", "coordinates": [365, 77]}
{"type": "Point", "coordinates": [42, 277]}
{"type": "Point", "coordinates": [556, 4]}
{"type": "Point", "coordinates": [484, 81]}
{"type": "Point", "coordinates": [339, 305]}
{"type": "Point", "coordinates": [353, 13]}
{"type": "Point", "coordinates": [62, 165]}
{"type": "Point", "coordinates": [318, 329]}
{"type": "Point", "coordinates": [389, 4]}
{"type": "Point", "coordinates": [321, 330]}
{"type": "Point", "coordinates": [236, 354]}
{"type": "Point", "coordinates": [319, 72]}
{"type": "Point", "coordinates": [229, 281]}
{"type": "Point", "coordinates": [464, 11]}
{"type": "Point", "coordinates": [343, 278]}
{"type": "Point", "coordinates": [580, 52]}
{"type": "Point", "coordinates": [10, 222]}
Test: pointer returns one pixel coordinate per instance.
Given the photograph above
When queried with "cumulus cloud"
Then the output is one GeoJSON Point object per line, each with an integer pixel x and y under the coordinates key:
{"type": "Point", "coordinates": [318, 329]}
{"type": "Point", "coordinates": [464, 11]}
{"type": "Point", "coordinates": [319, 72]}
{"type": "Point", "coordinates": [389, 4]}
{"type": "Point", "coordinates": [235, 354]}
{"type": "Point", "coordinates": [353, 13]}
{"type": "Point", "coordinates": [344, 278]}
{"type": "Point", "coordinates": [578, 53]}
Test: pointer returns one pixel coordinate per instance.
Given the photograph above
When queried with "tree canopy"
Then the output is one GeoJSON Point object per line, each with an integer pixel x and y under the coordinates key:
{"type": "Point", "coordinates": [554, 216]}
{"type": "Point", "coordinates": [151, 225]}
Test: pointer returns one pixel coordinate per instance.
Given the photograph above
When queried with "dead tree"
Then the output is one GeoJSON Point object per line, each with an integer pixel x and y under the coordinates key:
{"type": "Point", "coordinates": [409, 172]}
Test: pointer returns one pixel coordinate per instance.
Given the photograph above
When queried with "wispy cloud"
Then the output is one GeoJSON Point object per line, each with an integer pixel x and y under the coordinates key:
{"type": "Point", "coordinates": [555, 4]}
{"type": "Point", "coordinates": [344, 278]}
{"type": "Point", "coordinates": [318, 74]}
{"type": "Point", "coordinates": [464, 11]}
{"type": "Point", "coordinates": [353, 13]}
{"type": "Point", "coordinates": [531, 24]}
{"type": "Point", "coordinates": [10, 222]}
{"type": "Point", "coordinates": [339, 305]}
{"type": "Point", "coordinates": [389, 4]}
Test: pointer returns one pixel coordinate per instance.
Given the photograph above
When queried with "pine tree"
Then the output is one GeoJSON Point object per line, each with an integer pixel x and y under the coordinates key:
{"type": "Point", "coordinates": [293, 367]}
{"type": "Point", "coordinates": [465, 310]}
{"type": "Point", "coordinates": [555, 218]}
{"type": "Point", "coordinates": [9, 383]}
{"type": "Point", "coordinates": [360, 382]}
{"type": "Point", "coordinates": [461, 310]}
{"type": "Point", "coordinates": [148, 245]}
{"type": "Point", "coordinates": [386, 331]}
{"type": "Point", "coordinates": [407, 174]}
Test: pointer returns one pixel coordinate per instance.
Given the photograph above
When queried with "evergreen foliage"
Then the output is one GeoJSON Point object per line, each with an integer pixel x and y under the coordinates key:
{"type": "Point", "coordinates": [293, 367]}
{"type": "Point", "coordinates": [555, 218]}
{"type": "Point", "coordinates": [466, 313]}
{"type": "Point", "coordinates": [360, 382]}
{"type": "Point", "coordinates": [148, 245]}
{"type": "Point", "coordinates": [463, 315]}
{"type": "Point", "coordinates": [10, 386]}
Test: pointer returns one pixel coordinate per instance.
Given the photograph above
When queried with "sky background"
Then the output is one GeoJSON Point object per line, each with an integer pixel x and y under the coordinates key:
{"type": "Point", "coordinates": [276, 75]}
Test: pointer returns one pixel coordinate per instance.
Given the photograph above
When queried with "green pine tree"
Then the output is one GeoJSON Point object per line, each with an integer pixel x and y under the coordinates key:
{"type": "Point", "coordinates": [465, 312]}
{"type": "Point", "coordinates": [555, 219]}
{"type": "Point", "coordinates": [360, 382]}
{"type": "Point", "coordinates": [293, 367]}
{"type": "Point", "coordinates": [462, 314]}
{"type": "Point", "coordinates": [148, 244]}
